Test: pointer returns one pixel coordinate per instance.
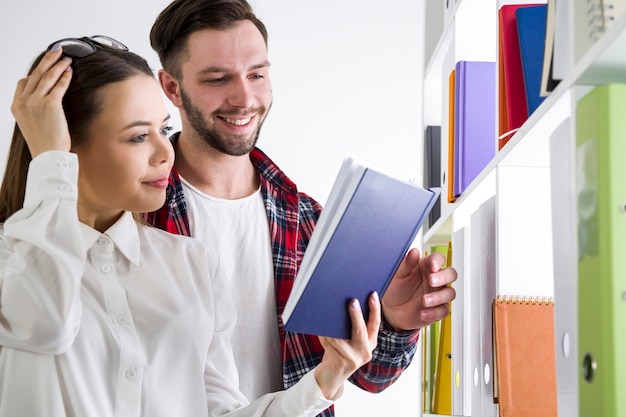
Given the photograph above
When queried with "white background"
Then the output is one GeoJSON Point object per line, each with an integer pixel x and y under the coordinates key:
{"type": "Point", "coordinates": [347, 79]}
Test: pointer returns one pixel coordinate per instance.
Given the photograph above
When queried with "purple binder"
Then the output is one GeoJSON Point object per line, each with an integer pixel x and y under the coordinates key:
{"type": "Point", "coordinates": [475, 121]}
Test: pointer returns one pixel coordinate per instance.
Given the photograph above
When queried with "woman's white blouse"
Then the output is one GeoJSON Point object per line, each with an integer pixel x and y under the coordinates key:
{"type": "Point", "coordinates": [131, 322]}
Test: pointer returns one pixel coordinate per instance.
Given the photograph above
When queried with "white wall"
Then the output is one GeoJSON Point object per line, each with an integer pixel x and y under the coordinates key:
{"type": "Point", "coordinates": [347, 80]}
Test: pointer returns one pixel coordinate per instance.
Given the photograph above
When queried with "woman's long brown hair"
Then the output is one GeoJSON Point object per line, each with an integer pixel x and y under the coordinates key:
{"type": "Point", "coordinates": [81, 105]}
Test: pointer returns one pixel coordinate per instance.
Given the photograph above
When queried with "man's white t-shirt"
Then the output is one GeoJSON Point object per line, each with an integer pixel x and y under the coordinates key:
{"type": "Point", "coordinates": [238, 231]}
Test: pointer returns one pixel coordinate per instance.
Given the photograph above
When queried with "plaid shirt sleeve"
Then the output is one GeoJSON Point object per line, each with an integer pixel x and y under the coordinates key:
{"type": "Point", "coordinates": [394, 352]}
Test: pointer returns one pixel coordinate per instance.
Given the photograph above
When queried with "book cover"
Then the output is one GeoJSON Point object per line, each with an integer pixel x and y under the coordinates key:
{"type": "Point", "coordinates": [565, 265]}
{"type": "Point", "coordinates": [481, 295]}
{"type": "Point", "coordinates": [517, 110]}
{"type": "Point", "coordinates": [524, 351]}
{"type": "Point", "coordinates": [578, 26]}
{"type": "Point", "coordinates": [434, 339]}
{"type": "Point", "coordinates": [451, 124]}
{"type": "Point", "coordinates": [432, 165]}
{"type": "Point", "coordinates": [426, 377]}
{"type": "Point", "coordinates": [503, 117]}
{"type": "Point", "coordinates": [601, 225]}
{"type": "Point", "coordinates": [363, 233]}
{"type": "Point", "coordinates": [461, 324]}
{"type": "Point", "coordinates": [591, 19]}
{"type": "Point", "coordinates": [475, 123]}
{"type": "Point", "coordinates": [564, 33]}
{"type": "Point", "coordinates": [442, 398]}
{"type": "Point", "coordinates": [531, 33]}
{"type": "Point", "coordinates": [548, 81]}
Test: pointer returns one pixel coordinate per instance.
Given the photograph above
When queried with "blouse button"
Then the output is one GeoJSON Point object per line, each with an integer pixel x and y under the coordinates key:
{"type": "Point", "coordinates": [65, 188]}
{"type": "Point", "coordinates": [131, 374]}
{"type": "Point", "coordinates": [105, 268]}
{"type": "Point", "coordinates": [63, 164]}
{"type": "Point", "coordinates": [103, 241]}
{"type": "Point", "coordinates": [121, 320]}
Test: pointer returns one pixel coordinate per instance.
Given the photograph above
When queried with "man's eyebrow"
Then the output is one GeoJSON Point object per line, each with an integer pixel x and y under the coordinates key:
{"type": "Point", "coordinates": [264, 64]}
{"type": "Point", "coordinates": [213, 70]}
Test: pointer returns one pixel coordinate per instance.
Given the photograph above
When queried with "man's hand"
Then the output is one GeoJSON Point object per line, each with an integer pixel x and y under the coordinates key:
{"type": "Point", "coordinates": [418, 294]}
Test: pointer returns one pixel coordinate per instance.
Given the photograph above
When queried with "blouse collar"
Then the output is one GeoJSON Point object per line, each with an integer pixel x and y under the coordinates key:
{"type": "Point", "coordinates": [124, 234]}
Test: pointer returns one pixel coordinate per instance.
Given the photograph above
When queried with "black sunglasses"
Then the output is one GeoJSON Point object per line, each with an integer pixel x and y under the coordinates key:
{"type": "Point", "coordinates": [87, 45]}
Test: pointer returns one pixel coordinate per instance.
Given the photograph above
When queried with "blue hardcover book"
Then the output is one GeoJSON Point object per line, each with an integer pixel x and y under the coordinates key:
{"type": "Point", "coordinates": [475, 121]}
{"type": "Point", "coordinates": [363, 233]}
{"type": "Point", "coordinates": [531, 32]}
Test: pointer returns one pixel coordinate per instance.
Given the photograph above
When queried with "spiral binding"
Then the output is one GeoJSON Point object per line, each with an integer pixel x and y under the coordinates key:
{"type": "Point", "coordinates": [600, 15]}
{"type": "Point", "coordinates": [525, 299]}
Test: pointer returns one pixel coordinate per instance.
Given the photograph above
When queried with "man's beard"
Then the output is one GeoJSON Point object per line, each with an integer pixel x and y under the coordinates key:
{"type": "Point", "coordinates": [238, 147]}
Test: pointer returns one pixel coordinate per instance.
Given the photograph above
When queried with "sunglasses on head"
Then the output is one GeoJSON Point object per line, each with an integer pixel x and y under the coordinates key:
{"type": "Point", "coordinates": [87, 45]}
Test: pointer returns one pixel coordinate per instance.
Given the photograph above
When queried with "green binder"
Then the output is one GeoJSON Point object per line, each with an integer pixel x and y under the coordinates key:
{"type": "Point", "coordinates": [442, 392]}
{"type": "Point", "coordinates": [601, 210]}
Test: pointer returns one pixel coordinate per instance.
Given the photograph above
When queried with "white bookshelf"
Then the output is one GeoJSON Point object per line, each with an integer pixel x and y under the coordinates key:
{"type": "Point", "coordinates": [518, 178]}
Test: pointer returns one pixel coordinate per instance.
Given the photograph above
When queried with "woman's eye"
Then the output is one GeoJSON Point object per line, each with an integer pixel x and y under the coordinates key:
{"type": "Point", "coordinates": [139, 139]}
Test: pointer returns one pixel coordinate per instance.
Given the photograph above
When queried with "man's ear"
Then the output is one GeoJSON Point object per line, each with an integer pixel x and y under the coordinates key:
{"type": "Point", "coordinates": [169, 84]}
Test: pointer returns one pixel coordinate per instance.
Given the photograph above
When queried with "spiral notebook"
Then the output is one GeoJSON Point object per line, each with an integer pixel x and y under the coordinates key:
{"type": "Point", "coordinates": [524, 356]}
{"type": "Point", "coordinates": [596, 16]}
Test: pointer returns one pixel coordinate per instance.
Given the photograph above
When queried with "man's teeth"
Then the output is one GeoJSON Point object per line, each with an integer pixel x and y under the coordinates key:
{"type": "Point", "coordinates": [239, 122]}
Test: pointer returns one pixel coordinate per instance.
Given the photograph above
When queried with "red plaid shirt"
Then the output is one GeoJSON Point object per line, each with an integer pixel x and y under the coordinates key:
{"type": "Point", "coordinates": [292, 216]}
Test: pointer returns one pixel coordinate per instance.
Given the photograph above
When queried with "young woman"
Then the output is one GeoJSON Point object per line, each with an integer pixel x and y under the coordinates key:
{"type": "Point", "coordinates": [94, 320]}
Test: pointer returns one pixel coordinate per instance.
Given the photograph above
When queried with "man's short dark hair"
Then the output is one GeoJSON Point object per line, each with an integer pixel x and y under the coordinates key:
{"type": "Point", "coordinates": [169, 34]}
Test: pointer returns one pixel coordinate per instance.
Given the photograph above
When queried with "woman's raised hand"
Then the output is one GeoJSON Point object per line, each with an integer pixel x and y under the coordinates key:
{"type": "Point", "coordinates": [37, 104]}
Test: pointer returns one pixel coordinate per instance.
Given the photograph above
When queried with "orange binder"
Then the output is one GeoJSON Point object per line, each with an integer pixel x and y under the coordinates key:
{"type": "Point", "coordinates": [503, 114]}
{"type": "Point", "coordinates": [451, 81]}
{"type": "Point", "coordinates": [525, 356]}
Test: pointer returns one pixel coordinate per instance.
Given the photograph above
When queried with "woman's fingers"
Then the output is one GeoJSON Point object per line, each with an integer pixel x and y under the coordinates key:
{"type": "Point", "coordinates": [37, 104]}
{"type": "Point", "coordinates": [343, 357]}
{"type": "Point", "coordinates": [374, 319]}
{"type": "Point", "coordinates": [362, 330]}
{"type": "Point", "coordinates": [359, 329]}
{"type": "Point", "coordinates": [44, 76]}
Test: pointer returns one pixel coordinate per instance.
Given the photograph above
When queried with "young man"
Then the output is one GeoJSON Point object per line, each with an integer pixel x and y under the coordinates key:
{"type": "Point", "coordinates": [227, 193]}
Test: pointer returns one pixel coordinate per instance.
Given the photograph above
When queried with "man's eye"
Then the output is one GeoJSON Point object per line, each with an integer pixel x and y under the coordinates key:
{"type": "Point", "coordinates": [166, 131]}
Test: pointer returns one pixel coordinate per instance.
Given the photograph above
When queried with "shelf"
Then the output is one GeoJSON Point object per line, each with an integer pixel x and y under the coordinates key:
{"type": "Point", "coordinates": [604, 62]}
{"type": "Point", "coordinates": [433, 68]}
{"type": "Point", "coordinates": [522, 222]}
{"type": "Point", "coordinates": [439, 233]}
{"type": "Point", "coordinates": [472, 38]}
